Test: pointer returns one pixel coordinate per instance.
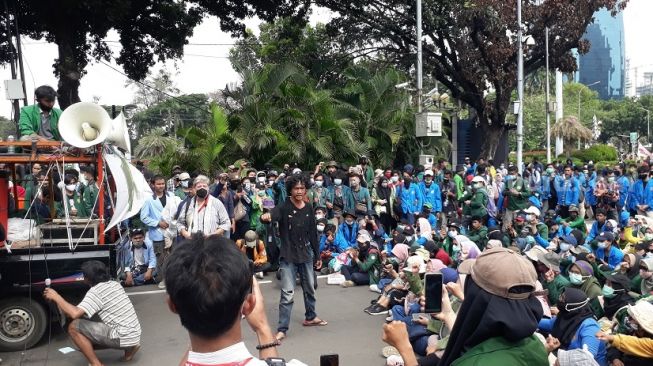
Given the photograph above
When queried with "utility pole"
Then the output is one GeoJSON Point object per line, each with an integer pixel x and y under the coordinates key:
{"type": "Point", "coordinates": [16, 106]}
{"type": "Point", "coordinates": [19, 49]}
{"type": "Point", "coordinates": [520, 90]}
{"type": "Point", "coordinates": [419, 56]}
{"type": "Point", "coordinates": [548, 112]}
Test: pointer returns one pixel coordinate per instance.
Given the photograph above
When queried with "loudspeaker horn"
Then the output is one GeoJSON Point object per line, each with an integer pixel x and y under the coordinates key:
{"type": "Point", "coordinates": [84, 124]}
{"type": "Point", "coordinates": [119, 135]}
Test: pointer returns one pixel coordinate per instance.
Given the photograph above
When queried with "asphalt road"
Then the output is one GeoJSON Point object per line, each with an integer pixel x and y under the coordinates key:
{"type": "Point", "coordinates": [351, 333]}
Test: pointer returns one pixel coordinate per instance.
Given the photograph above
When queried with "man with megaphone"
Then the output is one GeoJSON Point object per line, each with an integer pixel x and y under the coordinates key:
{"type": "Point", "coordinates": [40, 121]}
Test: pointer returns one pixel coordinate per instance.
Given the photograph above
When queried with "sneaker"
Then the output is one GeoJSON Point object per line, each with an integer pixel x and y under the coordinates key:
{"type": "Point", "coordinates": [394, 360]}
{"type": "Point", "coordinates": [369, 308]}
{"type": "Point", "coordinates": [324, 271]}
{"type": "Point", "coordinates": [348, 284]}
{"type": "Point", "coordinates": [389, 319]}
{"type": "Point", "coordinates": [375, 288]}
{"type": "Point", "coordinates": [162, 285]}
{"type": "Point", "coordinates": [259, 275]}
{"type": "Point", "coordinates": [388, 351]}
{"type": "Point", "coordinates": [378, 310]}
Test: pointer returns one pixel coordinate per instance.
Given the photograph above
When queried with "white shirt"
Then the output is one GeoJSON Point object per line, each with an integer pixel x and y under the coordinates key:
{"type": "Point", "coordinates": [234, 355]}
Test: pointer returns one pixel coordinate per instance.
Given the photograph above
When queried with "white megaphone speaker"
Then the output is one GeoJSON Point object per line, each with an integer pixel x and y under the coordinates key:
{"type": "Point", "coordinates": [84, 124]}
{"type": "Point", "coordinates": [119, 135]}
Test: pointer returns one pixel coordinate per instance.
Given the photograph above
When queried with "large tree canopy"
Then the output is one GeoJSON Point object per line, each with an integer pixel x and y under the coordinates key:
{"type": "Point", "coordinates": [469, 46]}
{"type": "Point", "coordinates": [149, 30]}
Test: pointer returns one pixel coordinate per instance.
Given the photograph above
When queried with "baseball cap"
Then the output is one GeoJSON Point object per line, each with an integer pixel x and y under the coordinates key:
{"type": "Point", "coordinates": [642, 311]}
{"type": "Point", "coordinates": [576, 357]}
{"type": "Point", "coordinates": [184, 176]}
{"type": "Point", "coordinates": [493, 243]}
{"type": "Point", "coordinates": [550, 259]}
{"type": "Point", "coordinates": [332, 163]}
{"type": "Point", "coordinates": [408, 230]}
{"type": "Point", "coordinates": [518, 283]}
{"type": "Point", "coordinates": [428, 172]}
{"type": "Point", "coordinates": [533, 211]}
{"type": "Point", "coordinates": [569, 239]}
{"type": "Point", "coordinates": [573, 208]}
{"type": "Point", "coordinates": [605, 236]}
{"type": "Point", "coordinates": [428, 205]}
{"type": "Point", "coordinates": [408, 168]}
{"type": "Point", "coordinates": [478, 179]}
{"type": "Point", "coordinates": [533, 253]}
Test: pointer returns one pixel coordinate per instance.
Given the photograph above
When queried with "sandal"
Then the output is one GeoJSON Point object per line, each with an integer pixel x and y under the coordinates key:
{"type": "Point", "coordinates": [316, 322]}
{"type": "Point", "coordinates": [280, 336]}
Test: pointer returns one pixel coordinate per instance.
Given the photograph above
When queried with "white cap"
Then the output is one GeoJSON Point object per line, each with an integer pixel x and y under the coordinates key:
{"type": "Point", "coordinates": [478, 179]}
{"type": "Point", "coordinates": [184, 176]}
{"type": "Point", "coordinates": [533, 210]}
{"type": "Point", "coordinates": [296, 171]}
{"type": "Point", "coordinates": [428, 172]}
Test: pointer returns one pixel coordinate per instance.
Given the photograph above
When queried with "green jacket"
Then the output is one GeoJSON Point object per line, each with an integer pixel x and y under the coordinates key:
{"type": "Point", "coordinates": [30, 121]}
{"type": "Point", "coordinates": [556, 287]}
{"type": "Point", "coordinates": [478, 203]}
{"type": "Point", "coordinates": [460, 186]}
{"type": "Point", "coordinates": [478, 236]}
{"type": "Point", "coordinates": [579, 224]}
{"type": "Point", "coordinates": [519, 201]}
{"type": "Point", "coordinates": [79, 206]}
{"type": "Point", "coordinates": [371, 265]}
{"type": "Point", "coordinates": [90, 195]}
{"type": "Point", "coordinates": [499, 352]}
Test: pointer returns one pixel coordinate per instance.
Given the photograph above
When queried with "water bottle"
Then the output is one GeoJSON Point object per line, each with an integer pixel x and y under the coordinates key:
{"type": "Point", "coordinates": [11, 149]}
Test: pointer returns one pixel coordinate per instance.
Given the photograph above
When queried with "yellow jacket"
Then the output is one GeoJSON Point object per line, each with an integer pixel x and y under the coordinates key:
{"type": "Point", "coordinates": [260, 256]}
{"type": "Point", "coordinates": [641, 347]}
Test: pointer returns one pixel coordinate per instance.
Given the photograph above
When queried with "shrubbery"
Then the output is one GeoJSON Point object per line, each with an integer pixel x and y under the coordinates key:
{"type": "Point", "coordinates": [596, 153]}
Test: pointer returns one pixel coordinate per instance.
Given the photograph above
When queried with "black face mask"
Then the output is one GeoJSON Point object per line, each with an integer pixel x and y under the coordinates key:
{"type": "Point", "coordinates": [202, 193]}
{"type": "Point", "coordinates": [407, 182]}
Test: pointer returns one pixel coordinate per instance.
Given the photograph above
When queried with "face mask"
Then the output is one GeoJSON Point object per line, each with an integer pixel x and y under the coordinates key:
{"type": "Point", "coordinates": [508, 177]}
{"type": "Point", "coordinates": [261, 193]}
{"type": "Point", "coordinates": [529, 217]}
{"type": "Point", "coordinates": [611, 179]}
{"type": "Point", "coordinates": [384, 184]}
{"type": "Point", "coordinates": [564, 247]}
{"type": "Point", "coordinates": [549, 170]}
{"type": "Point", "coordinates": [319, 216]}
{"type": "Point", "coordinates": [349, 221]}
{"type": "Point", "coordinates": [184, 184]}
{"type": "Point", "coordinates": [318, 183]}
{"type": "Point", "coordinates": [407, 182]}
{"type": "Point", "coordinates": [320, 228]}
{"type": "Point", "coordinates": [247, 186]}
{"type": "Point", "coordinates": [260, 179]}
{"type": "Point", "coordinates": [575, 278]}
{"type": "Point", "coordinates": [395, 179]}
{"type": "Point", "coordinates": [477, 185]}
{"type": "Point", "coordinates": [202, 193]}
{"type": "Point", "coordinates": [586, 172]}
{"type": "Point", "coordinates": [70, 187]}
{"type": "Point", "coordinates": [648, 236]}
{"type": "Point", "coordinates": [452, 233]}
{"type": "Point", "coordinates": [603, 244]}
{"type": "Point", "coordinates": [607, 291]}
{"type": "Point", "coordinates": [337, 181]}
{"type": "Point", "coordinates": [428, 179]}
{"type": "Point", "coordinates": [250, 244]}
{"type": "Point", "coordinates": [643, 176]}
{"type": "Point", "coordinates": [409, 238]}
{"type": "Point", "coordinates": [270, 182]}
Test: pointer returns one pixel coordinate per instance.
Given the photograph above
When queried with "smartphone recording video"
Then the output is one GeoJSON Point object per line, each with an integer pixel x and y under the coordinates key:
{"type": "Point", "coordinates": [433, 292]}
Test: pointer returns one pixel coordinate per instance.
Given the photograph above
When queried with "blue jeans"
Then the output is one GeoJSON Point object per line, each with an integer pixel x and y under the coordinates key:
{"type": "Point", "coordinates": [399, 313]}
{"type": "Point", "coordinates": [307, 279]}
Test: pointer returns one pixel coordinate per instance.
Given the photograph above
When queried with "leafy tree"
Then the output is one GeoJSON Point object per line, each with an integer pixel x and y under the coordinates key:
{"type": "Point", "coordinates": [7, 127]}
{"type": "Point", "coordinates": [150, 30]}
{"type": "Point", "coordinates": [155, 89]}
{"type": "Point", "coordinates": [171, 115]}
{"type": "Point", "coordinates": [466, 47]}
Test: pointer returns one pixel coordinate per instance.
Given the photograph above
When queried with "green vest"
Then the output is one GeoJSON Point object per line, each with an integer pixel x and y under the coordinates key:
{"type": "Point", "coordinates": [499, 352]}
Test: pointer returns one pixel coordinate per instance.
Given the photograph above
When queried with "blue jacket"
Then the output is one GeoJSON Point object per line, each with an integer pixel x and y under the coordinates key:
{"type": "Point", "coordinates": [431, 195]}
{"type": "Point", "coordinates": [588, 186]}
{"type": "Point", "coordinates": [596, 230]}
{"type": "Point", "coordinates": [546, 187]}
{"type": "Point", "coordinates": [411, 198]}
{"type": "Point", "coordinates": [333, 247]}
{"type": "Point", "coordinates": [151, 216]}
{"type": "Point", "coordinates": [585, 335]}
{"type": "Point", "coordinates": [347, 197]}
{"type": "Point", "coordinates": [362, 196]}
{"type": "Point", "coordinates": [346, 235]}
{"type": "Point", "coordinates": [127, 255]}
{"type": "Point", "coordinates": [614, 258]}
{"type": "Point", "coordinates": [568, 191]}
{"type": "Point", "coordinates": [624, 189]}
{"type": "Point", "coordinates": [636, 196]}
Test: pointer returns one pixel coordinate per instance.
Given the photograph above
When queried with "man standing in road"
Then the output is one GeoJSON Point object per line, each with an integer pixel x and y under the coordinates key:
{"type": "Point", "coordinates": [300, 253]}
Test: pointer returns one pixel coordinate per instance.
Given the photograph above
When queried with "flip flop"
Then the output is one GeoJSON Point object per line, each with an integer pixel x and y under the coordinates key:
{"type": "Point", "coordinates": [132, 352]}
{"type": "Point", "coordinates": [280, 336]}
{"type": "Point", "coordinates": [316, 322]}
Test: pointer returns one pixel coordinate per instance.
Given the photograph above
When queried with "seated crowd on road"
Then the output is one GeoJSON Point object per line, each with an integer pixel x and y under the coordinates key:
{"type": "Point", "coordinates": [551, 265]}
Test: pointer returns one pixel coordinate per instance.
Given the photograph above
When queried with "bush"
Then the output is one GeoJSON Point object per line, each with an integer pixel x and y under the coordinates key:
{"type": "Point", "coordinates": [596, 153]}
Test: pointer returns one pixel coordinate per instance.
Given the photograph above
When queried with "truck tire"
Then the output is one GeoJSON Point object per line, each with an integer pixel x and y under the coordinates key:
{"type": "Point", "coordinates": [22, 323]}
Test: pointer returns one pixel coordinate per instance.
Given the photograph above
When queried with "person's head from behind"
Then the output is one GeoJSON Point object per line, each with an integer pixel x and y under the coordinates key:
{"type": "Point", "coordinates": [95, 272]}
{"type": "Point", "coordinates": [45, 96]}
{"type": "Point", "coordinates": [209, 283]}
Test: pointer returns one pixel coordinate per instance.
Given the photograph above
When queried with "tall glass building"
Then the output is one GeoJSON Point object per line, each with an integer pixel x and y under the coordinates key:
{"type": "Point", "coordinates": [603, 67]}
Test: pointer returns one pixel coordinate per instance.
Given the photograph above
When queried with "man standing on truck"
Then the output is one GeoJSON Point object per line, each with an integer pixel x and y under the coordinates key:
{"type": "Point", "coordinates": [119, 328]}
{"type": "Point", "coordinates": [39, 121]}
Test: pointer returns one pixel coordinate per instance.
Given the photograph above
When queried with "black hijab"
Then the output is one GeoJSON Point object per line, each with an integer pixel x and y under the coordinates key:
{"type": "Point", "coordinates": [381, 192]}
{"type": "Point", "coordinates": [633, 271]}
{"type": "Point", "coordinates": [483, 316]}
{"type": "Point", "coordinates": [621, 285]}
{"type": "Point", "coordinates": [572, 312]}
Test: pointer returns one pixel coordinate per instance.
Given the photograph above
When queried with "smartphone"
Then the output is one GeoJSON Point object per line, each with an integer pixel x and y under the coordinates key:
{"type": "Point", "coordinates": [416, 316]}
{"type": "Point", "coordinates": [329, 360]}
{"type": "Point", "coordinates": [433, 291]}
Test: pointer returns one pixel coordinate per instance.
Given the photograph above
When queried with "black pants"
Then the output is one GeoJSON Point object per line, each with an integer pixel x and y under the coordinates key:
{"type": "Point", "coordinates": [241, 229]}
{"type": "Point", "coordinates": [354, 274]}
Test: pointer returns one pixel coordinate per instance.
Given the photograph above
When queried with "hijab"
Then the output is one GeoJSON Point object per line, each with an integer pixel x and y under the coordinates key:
{"type": "Point", "coordinates": [634, 260]}
{"type": "Point", "coordinates": [573, 309]}
{"type": "Point", "coordinates": [400, 251]}
{"type": "Point", "coordinates": [472, 249]}
{"type": "Point", "coordinates": [621, 297]}
{"type": "Point", "coordinates": [589, 280]}
{"type": "Point", "coordinates": [483, 315]}
{"type": "Point", "coordinates": [425, 228]}
{"type": "Point", "coordinates": [381, 192]}
{"type": "Point", "coordinates": [647, 283]}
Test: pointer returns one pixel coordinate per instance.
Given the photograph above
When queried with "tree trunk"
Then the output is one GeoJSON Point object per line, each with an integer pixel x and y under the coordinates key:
{"type": "Point", "coordinates": [491, 139]}
{"type": "Point", "coordinates": [69, 72]}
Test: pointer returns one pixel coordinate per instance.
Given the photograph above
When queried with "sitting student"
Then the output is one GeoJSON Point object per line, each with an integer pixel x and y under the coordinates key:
{"type": "Point", "coordinates": [607, 254]}
{"type": "Point", "coordinates": [477, 232]}
{"type": "Point", "coordinates": [365, 262]}
{"type": "Point", "coordinates": [554, 282]}
{"type": "Point", "coordinates": [581, 276]}
{"type": "Point", "coordinates": [138, 260]}
{"type": "Point", "coordinates": [119, 327]}
{"type": "Point", "coordinates": [254, 250]}
{"type": "Point", "coordinates": [72, 200]}
{"type": "Point", "coordinates": [405, 281]}
{"type": "Point", "coordinates": [575, 325]}
{"type": "Point", "coordinates": [616, 295]}
{"type": "Point", "coordinates": [646, 273]}
{"type": "Point", "coordinates": [211, 301]}
{"type": "Point", "coordinates": [636, 348]}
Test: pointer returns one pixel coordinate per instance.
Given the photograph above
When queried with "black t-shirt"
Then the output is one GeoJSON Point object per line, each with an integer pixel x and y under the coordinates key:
{"type": "Point", "coordinates": [298, 232]}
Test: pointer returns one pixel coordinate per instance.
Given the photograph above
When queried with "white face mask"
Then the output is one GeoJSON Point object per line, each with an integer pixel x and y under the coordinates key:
{"type": "Point", "coordinates": [648, 236]}
{"type": "Point", "coordinates": [70, 187]}
{"type": "Point", "coordinates": [395, 179]}
{"type": "Point", "coordinates": [319, 216]}
{"type": "Point", "coordinates": [564, 247]}
{"type": "Point", "coordinates": [260, 179]}
{"type": "Point", "coordinates": [247, 186]}
{"type": "Point", "coordinates": [320, 228]}
{"type": "Point", "coordinates": [270, 182]}
{"type": "Point", "coordinates": [318, 183]}
{"type": "Point", "coordinates": [452, 233]}
{"type": "Point", "coordinates": [337, 181]}
{"type": "Point", "coordinates": [184, 184]}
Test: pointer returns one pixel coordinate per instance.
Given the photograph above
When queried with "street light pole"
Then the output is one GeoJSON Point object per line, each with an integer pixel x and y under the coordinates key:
{"type": "Point", "coordinates": [548, 113]}
{"type": "Point", "coordinates": [520, 90]}
{"type": "Point", "coordinates": [419, 56]}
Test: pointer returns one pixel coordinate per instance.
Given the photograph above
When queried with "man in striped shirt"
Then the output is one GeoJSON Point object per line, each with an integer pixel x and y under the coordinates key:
{"type": "Point", "coordinates": [119, 328]}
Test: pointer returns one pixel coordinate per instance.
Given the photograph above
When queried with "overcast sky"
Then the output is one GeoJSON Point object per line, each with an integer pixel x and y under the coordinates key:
{"type": "Point", "coordinates": [206, 68]}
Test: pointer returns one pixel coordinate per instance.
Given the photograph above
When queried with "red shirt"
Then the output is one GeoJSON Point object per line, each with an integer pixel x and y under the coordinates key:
{"type": "Point", "coordinates": [444, 257]}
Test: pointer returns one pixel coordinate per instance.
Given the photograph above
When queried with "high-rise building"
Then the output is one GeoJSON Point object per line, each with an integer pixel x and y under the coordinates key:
{"type": "Point", "coordinates": [604, 66]}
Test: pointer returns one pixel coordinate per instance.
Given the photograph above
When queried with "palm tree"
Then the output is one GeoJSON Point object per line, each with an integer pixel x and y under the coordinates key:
{"type": "Point", "coordinates": [570, 130]}
{"type": "Point", "coordinates": [156, 143]}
